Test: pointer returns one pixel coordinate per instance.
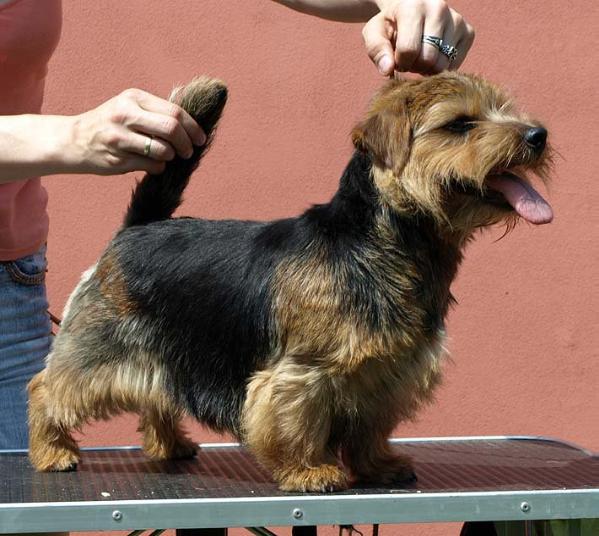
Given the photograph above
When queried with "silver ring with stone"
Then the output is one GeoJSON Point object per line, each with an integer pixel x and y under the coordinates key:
{"type": "Point", "coordinates": [447, 50]}
{"type": "Point", "coordinates": [432, 40]}
{"type": "Point", "coordinates": [450, 51]}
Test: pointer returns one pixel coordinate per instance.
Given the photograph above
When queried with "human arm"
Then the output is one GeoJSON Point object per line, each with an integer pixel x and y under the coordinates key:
{"type": "Point", "coordinates": [107, 140]}
{"type": "Point", "coordinates": [337, 10]}
{"type": "Point", "coordinates": [393, 33]}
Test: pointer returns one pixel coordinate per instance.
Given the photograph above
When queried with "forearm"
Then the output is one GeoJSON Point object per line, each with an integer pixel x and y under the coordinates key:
{"type": "Point", "coordinates": [34, 145]}
{"type": "Point", "coordinates": [338, 10]}
{"type": "Point", "coordinates": [133, 131]}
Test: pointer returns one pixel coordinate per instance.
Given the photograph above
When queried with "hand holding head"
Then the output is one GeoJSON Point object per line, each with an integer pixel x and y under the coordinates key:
{"type": "Point", "coordinates": [394, 37]}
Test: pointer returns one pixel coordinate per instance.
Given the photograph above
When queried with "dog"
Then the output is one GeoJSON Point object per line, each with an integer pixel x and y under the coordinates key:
{"type": "Point", "coordinates": [308, 338]}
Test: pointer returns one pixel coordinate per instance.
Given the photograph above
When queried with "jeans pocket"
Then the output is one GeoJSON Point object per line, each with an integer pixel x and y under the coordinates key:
{"type": "Point", "coordinates": [29, 270]}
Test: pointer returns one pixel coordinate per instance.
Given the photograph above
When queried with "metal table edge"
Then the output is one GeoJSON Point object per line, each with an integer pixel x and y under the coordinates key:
{"type": "Point", "coordinates": [395, 440]}
{"type": "Point", "coordinates": [301, 510]}
{"type": "Point", "coordinates": [305, 509]}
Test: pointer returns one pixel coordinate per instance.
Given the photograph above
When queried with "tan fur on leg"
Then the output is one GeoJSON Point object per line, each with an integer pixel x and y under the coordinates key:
{"type": "Point", "coordinates": [163, 436]}
{"type": "Point", "coordinates": [51, 448]}
{"type": "Point", "coordinates": [371, 459]}
{"type": "Point", "coordinates": [64, 397]}
{"type": "Point", "coordinates": [287, 421]}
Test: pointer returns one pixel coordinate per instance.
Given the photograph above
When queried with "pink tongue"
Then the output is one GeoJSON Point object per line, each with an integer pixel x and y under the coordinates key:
{"type": "Point", "coordinates": [525, 200]}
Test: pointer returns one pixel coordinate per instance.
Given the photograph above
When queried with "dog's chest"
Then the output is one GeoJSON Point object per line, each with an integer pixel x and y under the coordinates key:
{"type": "Point", "coordinates": [394, 383]}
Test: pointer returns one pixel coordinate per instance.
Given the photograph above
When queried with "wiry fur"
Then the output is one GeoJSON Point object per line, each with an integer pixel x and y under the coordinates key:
{"type": "Point", "coordinates": [309, 338]}
{"type": "Point", "coordinates": [158, 196]}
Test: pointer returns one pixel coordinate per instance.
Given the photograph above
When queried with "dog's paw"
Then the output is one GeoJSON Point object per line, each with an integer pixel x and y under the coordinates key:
{"type": "Point", "coordinates": [182, 448]}
{"type": "Point", "coordinates": [64, 467]}
{"type": "Point", "coordinates": [54, 459]}
{"type": "Point", "coordinates": [406, 476]}
{"type": "Point", "coordinates": [323, 478]}
{"type": "Point", "coordinates": [396, 469]}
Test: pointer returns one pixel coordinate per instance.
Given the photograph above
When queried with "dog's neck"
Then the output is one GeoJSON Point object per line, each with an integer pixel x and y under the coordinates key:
{"type": "Point", "coordinates": [359, 203]}
{"type": "Point", "coordinates": [405, 247]}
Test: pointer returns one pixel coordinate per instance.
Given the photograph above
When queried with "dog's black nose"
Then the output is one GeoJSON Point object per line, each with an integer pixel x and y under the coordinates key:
{"type": "Point", "coordinates": [535, 138]}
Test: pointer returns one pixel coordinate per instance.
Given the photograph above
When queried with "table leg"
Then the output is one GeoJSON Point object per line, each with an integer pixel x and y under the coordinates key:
{"type": "Point", "coordinates": [201, 532]}
{"type": "Point", "coordinates": [304, 531]}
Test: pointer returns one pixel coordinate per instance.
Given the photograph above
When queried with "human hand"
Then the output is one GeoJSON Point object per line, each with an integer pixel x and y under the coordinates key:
{"type": "Point", "coordinates": [393, 38]}
{"type": "Point", "coordinates": [133, 131]}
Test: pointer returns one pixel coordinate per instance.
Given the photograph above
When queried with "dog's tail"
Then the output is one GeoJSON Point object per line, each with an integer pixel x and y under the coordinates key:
{"type": "Point", "coordinates": [156, 197]}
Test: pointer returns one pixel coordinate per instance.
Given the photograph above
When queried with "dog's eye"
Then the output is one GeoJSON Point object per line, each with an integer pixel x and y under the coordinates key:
{"type": "Point", "coordinates": [460, 125]}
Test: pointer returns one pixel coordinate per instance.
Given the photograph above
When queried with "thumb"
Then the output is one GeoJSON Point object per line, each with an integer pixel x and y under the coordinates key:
{"type": "Point", "coordinates": [377, 35]}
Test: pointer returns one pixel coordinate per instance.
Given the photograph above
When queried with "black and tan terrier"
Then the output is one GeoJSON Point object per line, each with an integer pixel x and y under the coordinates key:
{"type": "Point", "coordinates": [308, 338]}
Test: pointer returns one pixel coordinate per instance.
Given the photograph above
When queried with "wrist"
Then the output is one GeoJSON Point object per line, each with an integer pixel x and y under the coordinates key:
{"type": "Point", "coordinates": [63, 153]}
{"type": "Point", "coordinates": [52, 150]}
{"type": "Point", "coordinates": [33, 145]}
{"type": "Point", "coordinates": [381, 4]}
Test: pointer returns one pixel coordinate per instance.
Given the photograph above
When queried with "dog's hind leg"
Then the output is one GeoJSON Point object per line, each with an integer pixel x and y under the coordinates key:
{"type": "Point", "coordinates": [287, 423]}
{"type": "Point", "coordinates": [90, 378]}
{"type": "Point", "coordinates": [163, 435]}
{"type": "Point", "coordinates": [51, 447]}
{"type": "Point", "coordinates": [70, 392]}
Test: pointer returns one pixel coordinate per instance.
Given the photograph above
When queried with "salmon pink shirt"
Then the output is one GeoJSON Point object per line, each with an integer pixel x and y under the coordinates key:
{"type": "Point", "coordinates": [29, 33]}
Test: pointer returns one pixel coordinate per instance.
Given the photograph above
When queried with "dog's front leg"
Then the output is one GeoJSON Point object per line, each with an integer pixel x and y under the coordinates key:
{"type": "Point", "coordinates": [375, 399]}
{"type": "Point", "coordinates": [373, 460]}
{"type": "Point", "coordinates": [287, 423]}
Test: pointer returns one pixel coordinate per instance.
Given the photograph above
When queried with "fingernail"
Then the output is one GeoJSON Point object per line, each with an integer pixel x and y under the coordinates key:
{"type": "Point", "coordinates": [385, 64]}
{"type": "Point", "coordinates": [188, 154]}
{"type": "Point", "coordinates": [200, 139]}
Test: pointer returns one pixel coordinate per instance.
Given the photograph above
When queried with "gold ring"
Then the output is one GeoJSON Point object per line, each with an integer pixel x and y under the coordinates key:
{"type": "Point", "coordinates": [148, 146]}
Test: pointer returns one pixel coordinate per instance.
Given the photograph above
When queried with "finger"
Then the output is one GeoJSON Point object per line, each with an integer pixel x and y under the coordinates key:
{"type": "Point", "coordinates": [408, 44]}
{"type": "Point", "coordinates": [452, 35]}
{"type": "Point", "coordinates": [434, 26]}
{"type": "Point", "coordinates": [463, 46]}
{"type": "Point", "coordinates": [149, 147]}
{"type": "Point", "coordinates": [155, 104]}
{"type": "Point", "coordinates": [140, 163]}
{"type": "Point", "coordinates": [377, 34]}
{"type": "Point", "coordinates": [166, 128]}
{"type": "Point", "coordinates": [125, 162]}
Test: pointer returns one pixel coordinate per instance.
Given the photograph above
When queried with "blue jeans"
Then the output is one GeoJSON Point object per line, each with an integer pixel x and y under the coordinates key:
{"type": "Point", "coordinates": [25, 336]}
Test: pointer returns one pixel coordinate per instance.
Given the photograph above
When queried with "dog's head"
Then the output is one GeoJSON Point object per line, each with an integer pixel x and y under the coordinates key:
{"type": "Point", "coordinates": [454, 146]}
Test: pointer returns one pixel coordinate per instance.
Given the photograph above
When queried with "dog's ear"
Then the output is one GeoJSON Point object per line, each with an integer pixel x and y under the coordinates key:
{"type": "Point", "coordinates": [385, 135]}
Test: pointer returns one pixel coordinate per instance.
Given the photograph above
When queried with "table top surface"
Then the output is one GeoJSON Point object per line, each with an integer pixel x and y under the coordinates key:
{"type": "Point", "coordinates": [456, 477]}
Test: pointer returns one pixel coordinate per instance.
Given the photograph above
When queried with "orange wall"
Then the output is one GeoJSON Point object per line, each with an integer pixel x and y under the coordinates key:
{"type": "Point", "coordinates": [524, 338]}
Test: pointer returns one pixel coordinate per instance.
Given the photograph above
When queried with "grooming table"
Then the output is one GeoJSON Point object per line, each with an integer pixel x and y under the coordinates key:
{"type": "Point", "coordinates": [459, 479]}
